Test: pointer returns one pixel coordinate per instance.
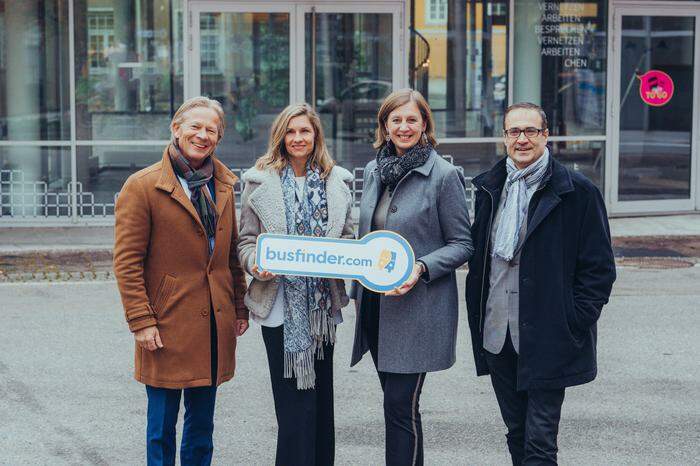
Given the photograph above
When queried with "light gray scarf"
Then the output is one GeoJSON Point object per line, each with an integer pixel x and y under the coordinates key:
{"type": "Point", "coordinates": [518, 184]}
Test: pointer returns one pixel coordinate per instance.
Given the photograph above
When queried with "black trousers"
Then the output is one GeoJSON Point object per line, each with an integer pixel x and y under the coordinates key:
{"type": "Point", "coordinates": [305, 421]}
{"type": "Point", "coordinates": [402, 420]}
{"type": "Point", "coordinates": [531, 417]}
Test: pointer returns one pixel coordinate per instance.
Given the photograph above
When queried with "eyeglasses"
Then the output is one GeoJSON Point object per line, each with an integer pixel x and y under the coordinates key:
{"type": "Point", "coordinates": [530, 132]}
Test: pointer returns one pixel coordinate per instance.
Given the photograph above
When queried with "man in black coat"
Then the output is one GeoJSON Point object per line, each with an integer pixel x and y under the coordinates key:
{"type": "Point", "coordinates": [542, 270]}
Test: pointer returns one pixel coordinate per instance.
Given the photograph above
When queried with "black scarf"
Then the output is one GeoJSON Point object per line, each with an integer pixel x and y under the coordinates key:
{"type": "Point", "coordinates": [392, 168]}
{"type": "Point", "coordinates": [197, 181]}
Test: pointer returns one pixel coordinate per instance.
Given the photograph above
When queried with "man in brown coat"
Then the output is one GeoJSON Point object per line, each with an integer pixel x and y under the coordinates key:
{"type": "Point", "coordinates": [180, 281]}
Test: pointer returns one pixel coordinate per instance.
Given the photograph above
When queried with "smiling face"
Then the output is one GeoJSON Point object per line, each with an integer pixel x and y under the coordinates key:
{"type": "Point", "coordinates": [524, 151]}
{"type": "Point", "coordinates": [197, 134]}
{"type": "Point", "coordinates": [299, 138]}
{"type": "Point", "coordinates": [405, 126]}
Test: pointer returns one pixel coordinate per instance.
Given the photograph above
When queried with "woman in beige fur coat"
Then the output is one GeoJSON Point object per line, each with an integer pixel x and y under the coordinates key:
{"type": "Point", "coordinates": [296, 188]}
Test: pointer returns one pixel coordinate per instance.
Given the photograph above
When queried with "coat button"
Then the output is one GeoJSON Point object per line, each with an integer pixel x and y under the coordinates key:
{"type": "Point", "coordinates": [204, 313]}
{"type": "Point", "coordinates": [218, 309]}
{"type": "Point", "coordinates": [393, 209]}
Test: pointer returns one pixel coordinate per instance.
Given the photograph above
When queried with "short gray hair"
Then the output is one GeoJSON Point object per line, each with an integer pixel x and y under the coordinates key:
{"type": "Point", "coordinates": [200, 101]}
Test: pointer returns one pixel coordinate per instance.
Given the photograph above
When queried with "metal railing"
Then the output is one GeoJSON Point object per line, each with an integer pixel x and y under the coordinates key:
{"type": "Point", "coordinates": [22, 199]}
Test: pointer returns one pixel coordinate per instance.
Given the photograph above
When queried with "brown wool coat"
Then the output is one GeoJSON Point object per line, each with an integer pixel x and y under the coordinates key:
{"type": "Point", "coordinates": [166, 277]}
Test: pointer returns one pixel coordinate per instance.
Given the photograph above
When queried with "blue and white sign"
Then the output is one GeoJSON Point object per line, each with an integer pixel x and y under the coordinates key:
{"type": "Point", "coordinates": [380, 261]}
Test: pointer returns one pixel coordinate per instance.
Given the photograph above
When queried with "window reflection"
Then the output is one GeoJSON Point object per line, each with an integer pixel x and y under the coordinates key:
{"type": "Point", "coordinates": [459, 63]}
{"type": "Point", "coordinates": [127, 84]}
{"type": "Point", "coordinates": [102, 170]}
{"type": "Point", "coordinates": [250, 79]}
{"type": "Point", "coordinates": [34, 78]}
{"type": "Point", "coordinates": [655, 147]}
{"type": "Point", "coordinates": [560, 62]}
{"type": "Point", "coordinates": [353, 74]}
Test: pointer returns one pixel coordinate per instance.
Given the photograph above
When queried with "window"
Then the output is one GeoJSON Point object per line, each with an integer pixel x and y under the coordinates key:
{"type": "Point", "coordinates": [209, 42]}
{"type": "Point", "coordinates": [460, 64]}
{"type": "Point", "coordinates": [100, 38]}
{"type": "Point", "coordinates": [560, 49]}
{"type": "Point", "coordinates": [126, 84]}
{"type": "Point", "coordinates": [436, 11]}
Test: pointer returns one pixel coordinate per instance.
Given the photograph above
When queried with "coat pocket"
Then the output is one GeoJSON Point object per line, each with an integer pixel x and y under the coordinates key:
{"type": "Point", "coordinates": [571, 321]}
{"type": "Point", "coordinates": [165, 290]}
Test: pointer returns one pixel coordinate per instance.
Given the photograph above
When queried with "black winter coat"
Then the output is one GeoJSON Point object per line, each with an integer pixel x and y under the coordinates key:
{"type": "Point", "coordinates": [567, 270]}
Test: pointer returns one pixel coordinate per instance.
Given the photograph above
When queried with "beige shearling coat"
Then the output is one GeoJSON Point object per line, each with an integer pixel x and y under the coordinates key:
{"type": "Point", "coordinates": [262, 210]}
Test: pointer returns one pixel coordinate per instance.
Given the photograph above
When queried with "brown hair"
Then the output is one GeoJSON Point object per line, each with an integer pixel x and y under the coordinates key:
{"type": "Point", "coordinates": [526, 106]}
{"type": "Point", "coordinates": [276, 155]}
{"type": "Point", "coordinates": [195, 102]}
{"type": "Point", "coordinates": [394, 101]}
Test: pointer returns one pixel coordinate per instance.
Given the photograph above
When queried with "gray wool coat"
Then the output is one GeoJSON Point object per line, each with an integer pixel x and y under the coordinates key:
{"type": "Point", "coordinates": [262, 210]}
{"type": "Point", "coordinates": [418, 331]}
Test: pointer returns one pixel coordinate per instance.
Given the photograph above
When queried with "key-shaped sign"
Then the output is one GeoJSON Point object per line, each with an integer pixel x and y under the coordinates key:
{"type": "Point", "coordinates": [380, 261]}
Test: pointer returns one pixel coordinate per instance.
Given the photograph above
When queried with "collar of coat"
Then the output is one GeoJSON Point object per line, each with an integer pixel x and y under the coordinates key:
{"type": "Point", "coordinates": [556, 182]}
{"type": "Point", "coordinates": [557, 178]}
{"type": "Point", "coordinates": [268, 204]}
{"type": "Point", "coordinates": [223, 183]}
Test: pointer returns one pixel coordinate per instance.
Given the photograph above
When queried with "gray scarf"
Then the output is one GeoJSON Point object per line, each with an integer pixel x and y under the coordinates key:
{"type": "Point", "coordinates": [307, 300]}
{"type": "Point", "coordinates": [392, 168]}
{"type": "Point", "coordinates": [518, 184]}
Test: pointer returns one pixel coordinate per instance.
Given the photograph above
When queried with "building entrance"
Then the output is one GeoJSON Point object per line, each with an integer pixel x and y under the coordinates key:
{"type": "Point", "coordinates": [654, 107]}
{"type": "Point", "coordinates": [257, 57]}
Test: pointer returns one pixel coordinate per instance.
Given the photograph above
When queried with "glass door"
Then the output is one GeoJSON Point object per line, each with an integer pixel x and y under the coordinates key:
{"type": "Point", "coordinates": [257, 57]}
{"type": "Point", "coordinates": [239, 54]}
{"type": "Point", "coordinates": [354, 57]}
{"type": "Point", "coordinates": [655, 109]}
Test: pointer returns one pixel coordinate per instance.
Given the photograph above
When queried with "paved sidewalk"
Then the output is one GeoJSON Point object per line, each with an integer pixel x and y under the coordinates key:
{"type": "Point", "coordinates": [82, 238]}
{"type": "Point", "coordinates": [85, 253]}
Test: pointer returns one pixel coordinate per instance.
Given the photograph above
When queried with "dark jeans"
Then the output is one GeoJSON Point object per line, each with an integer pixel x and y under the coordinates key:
{"type": "Point", "coordinates": [305, 420]}
{"type": "Point", "coordinates": [163, 405]}
{"type": "Point", "coordinates": [196, 447]}
{"type": "Point", "coordinates": [402, 420]}
{"type": "Point", "coordinates": [532, 416]}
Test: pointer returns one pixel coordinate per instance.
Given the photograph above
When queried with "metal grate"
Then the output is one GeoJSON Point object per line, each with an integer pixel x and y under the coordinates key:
{"type": "Point", "coordinates": [20, 198]}
{"type": "Point", "coordinates": [36, 199]}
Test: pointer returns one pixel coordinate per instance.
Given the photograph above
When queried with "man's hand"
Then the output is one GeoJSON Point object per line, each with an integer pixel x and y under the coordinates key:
{"type": "Point", "coordinates": [148, 338]}
{"type": "Point", "coordinates": [241, 326]}
{"type": "Point", "coordinates": [408, 284]}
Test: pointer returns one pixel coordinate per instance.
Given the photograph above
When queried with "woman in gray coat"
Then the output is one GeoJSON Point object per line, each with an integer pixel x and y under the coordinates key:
{"type": "Point", "coordinates": [411, 330]}
{"type": "Point", "coordinates": [296, 188]}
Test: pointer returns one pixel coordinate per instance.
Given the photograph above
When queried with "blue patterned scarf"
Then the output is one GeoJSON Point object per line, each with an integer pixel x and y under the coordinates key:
{"type": "Point", "coordinates": [307, 300]}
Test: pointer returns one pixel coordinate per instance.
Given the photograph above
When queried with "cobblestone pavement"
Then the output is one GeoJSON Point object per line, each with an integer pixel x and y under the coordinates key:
{"type": "Point", "coordinates": [650, 252]}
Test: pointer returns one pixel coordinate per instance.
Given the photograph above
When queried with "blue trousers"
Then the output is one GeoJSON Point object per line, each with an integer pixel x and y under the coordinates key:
{"type": "Point", "coordinates": [163, 406]}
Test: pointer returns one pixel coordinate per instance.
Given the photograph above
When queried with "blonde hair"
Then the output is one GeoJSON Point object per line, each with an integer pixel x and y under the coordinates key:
{"type": "Point", "coordinates": [276, 157]}
{"type": "Point", "coordinates": [196, 102]}
{"type": "Point", "coordinates": [394, 101]}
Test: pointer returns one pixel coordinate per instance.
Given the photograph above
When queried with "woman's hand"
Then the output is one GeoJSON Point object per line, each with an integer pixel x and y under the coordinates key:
{"type": "Point", "coordinates": [263, 275]}
{"type": "Point", "coordinates": [408, 284]}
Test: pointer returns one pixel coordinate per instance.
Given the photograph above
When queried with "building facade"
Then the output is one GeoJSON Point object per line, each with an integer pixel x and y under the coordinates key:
{"type": "Point", "coordinates": [88, 87]}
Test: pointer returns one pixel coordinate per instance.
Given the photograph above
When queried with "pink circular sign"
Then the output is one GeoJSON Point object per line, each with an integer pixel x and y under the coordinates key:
{"type": "Point", "coordinates": [655, 88]}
